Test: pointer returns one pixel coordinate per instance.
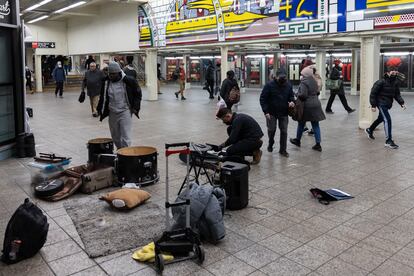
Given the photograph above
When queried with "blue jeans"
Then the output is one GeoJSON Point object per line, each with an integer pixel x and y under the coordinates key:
{"type": "Point", "coordinates": [383, 116]}
{"type": "Point", "coordinates": [316, 130]}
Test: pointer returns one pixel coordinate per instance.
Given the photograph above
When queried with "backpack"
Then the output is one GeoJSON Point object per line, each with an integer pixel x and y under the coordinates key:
{"type": "Point", "coordinates": [26, 233]}
{"type": "Point", "coordinates": [175, 74]}
{"type": "Point", "coordinates": [234, 95]}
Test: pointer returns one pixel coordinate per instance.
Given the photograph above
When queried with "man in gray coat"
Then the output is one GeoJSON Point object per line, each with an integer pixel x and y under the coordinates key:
{"type": "Point", "coordinates": [94, 82]}
{"type": "Point", "coordinates": [119, 101]}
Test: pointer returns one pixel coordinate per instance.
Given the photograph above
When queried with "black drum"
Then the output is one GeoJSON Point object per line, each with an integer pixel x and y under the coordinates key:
{"type": "Point", "coordinates": [99, 146]}
{"type": "Point", "coordinates": [137, 165]}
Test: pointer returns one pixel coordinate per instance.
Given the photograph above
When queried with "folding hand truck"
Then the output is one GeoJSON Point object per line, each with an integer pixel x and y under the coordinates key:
{"type": "Point", "coordinates": [184, 243]}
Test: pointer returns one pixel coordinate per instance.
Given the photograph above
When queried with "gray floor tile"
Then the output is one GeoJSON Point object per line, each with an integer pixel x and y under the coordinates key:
{"type": "Point", "coordinates": [285, 267]}
{"type": "Point", "coordinates": [405, 256]}
{"type": "Point", "coordinates": [57, 235]}
{"type": "Point", "coordinates": [93, 271]}
{"type": "Point", "coordinates": [255, 232]}
{"type": "Point", "coordinates": [362, 258]}
{"type": "Point", "coordinates": [213, 254]}
{"type": "Point", "coordinates": [59, 250]}
{"type": "Point", "coordinates": [71, 264]}
{"type": "Point", "coordinates": [308, 257]}
{"type": "Point", "coordinates": [392, 268]}
{"type": "Point", "coordinates": [329, 245]}
{"type": "Point", "coordinates": [339, 267]}
{"type": "Point", "coordinates": [233, 242]}
{"type": "Point", "coordinates": [230, 266]}
{"type": "Point", "coordinates": [302, 233]}
{"type": "Point", "coordinates": [347, 234]}
{"type": "Point", "coordinates": [257, 256]}
{"type": "Point", "coordinates": [122, 265]}
{"type": "Point", "coordinates": [276, 223]}
{"type": "Point", "coordinates": [280, 244]}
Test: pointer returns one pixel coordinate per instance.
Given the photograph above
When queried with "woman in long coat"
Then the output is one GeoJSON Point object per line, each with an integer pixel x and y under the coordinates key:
{"type": "Point", "coordinates": [312, 109]}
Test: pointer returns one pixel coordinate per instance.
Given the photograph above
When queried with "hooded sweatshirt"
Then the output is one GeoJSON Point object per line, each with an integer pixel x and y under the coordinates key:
{"type": "Point", "coordinates": [118, 101]}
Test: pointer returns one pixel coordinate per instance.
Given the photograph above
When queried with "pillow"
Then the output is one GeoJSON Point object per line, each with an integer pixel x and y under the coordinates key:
{"type": "Point", "coordinates": [126, 198]}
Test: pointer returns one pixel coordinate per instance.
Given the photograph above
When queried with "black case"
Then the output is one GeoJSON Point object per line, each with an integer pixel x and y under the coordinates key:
{"type": "Point", "coordinates": [235, 181]}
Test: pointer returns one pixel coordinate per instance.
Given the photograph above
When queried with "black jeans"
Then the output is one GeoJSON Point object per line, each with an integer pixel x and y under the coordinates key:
{"type": "Point", "coordinates": [59, 88]}
{"type": "Point", "coordinates": [210, 88]}
{"type": "Point", "coordinates": [244, 147]}
{"type": "Point", "coordinates": [383, 116]}
{"type": "Point", "coordinates": [283, 127]}
{"type": "Point", "coordinates": [341, 97]}
{"type": "Point", "coordinates": [29, 83]}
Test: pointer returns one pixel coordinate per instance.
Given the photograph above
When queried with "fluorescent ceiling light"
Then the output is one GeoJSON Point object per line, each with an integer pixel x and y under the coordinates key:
{"type": "Point", "coordinates": [38, 19]}
{"type": "Point", "coordinates": [255, 56]}
{"type": "Point", "coordinates": [396, 54]}
{"type": "Point", "coordinates": [71, 7]}
{"type": "Point", "coordinates": [38, 5]}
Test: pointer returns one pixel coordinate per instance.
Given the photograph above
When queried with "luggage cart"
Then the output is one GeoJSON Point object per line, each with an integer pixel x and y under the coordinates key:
{"type": "Point", "coordinates": [183, 244]}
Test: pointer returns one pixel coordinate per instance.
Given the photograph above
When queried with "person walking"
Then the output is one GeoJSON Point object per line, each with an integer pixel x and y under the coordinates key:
{"type": "Point", "coordinates": [276, 97]}
{"type": "Point", "coordinates": [121, 98]}
{"type": "Point", "coordinates": [28, 76]}
{"type": "Point", "coordinates": [382, 96]}
{"type": "Point", "coordinates": [312, 109]}
{"type": "Point", "coordinates": [88, 62]}
{"type": "Point", "coordinates": [129, 68]}
{"type": "Point", "coordinates": [94, 82]}
{"type": "Point", "coordinates": [159, 77]}
{"type": "Point", "coordinates": [181, 81]}
{"type": "Point", "coordinates": [210, 79]}
{"type": "Point", "coordinates": [227, 86]}
{"type": "Point", "coordinates": [59, 76]}
{"type": "Point", "coordinates": [337, 75]}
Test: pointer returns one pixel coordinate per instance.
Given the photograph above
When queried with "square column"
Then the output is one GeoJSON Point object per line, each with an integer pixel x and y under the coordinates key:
{"type": "Point", "coordinates": [354, 72]}
{"type": "Point", "coordinates": [321, 69]}
{"type": "Point", "coordinates": [187, 64]}
{"type": "Point", "coordinates": [370, 53]}
{"type": "Point", "coordinates": [38, 73]}
{"type": "Point", "coordinates": [151, 74]}
{"type": "Point", "coordinates": [224, 62]}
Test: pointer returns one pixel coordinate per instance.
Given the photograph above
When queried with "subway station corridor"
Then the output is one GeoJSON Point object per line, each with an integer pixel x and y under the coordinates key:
{"type": "Point", "coordinates": [283, 231]}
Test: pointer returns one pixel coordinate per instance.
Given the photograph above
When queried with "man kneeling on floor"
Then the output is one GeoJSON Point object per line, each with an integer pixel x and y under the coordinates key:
{"type": "Point", "coordinates": [244, 135]}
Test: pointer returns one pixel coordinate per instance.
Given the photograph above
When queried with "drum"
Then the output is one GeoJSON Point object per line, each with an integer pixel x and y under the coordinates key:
{"type": "Point", "coordinates": [99, 146]}
{"type": "Point", "coordinates": [137, 165]}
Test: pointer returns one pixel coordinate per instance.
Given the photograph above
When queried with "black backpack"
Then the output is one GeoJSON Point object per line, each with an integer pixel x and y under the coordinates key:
{"type": "Point", "coordinates": [26, 233]}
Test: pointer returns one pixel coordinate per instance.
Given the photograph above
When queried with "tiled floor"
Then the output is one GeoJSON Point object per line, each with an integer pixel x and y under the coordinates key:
{"type": "Point", "coordinates": [282, 232]}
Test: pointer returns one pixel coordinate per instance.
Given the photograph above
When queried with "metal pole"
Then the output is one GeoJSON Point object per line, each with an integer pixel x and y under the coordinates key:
{"type": "Point", "coordinates": [167, 218]}
{"type": "Point", "coordinates": [188, 210]}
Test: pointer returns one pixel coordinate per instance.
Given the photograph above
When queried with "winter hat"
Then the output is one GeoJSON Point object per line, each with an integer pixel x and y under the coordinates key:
{"type": "Point", "coordinates": [307, 72]}
{"type": "Point", "coordinates": [114, 67]}
{"type": "Point", "coordinates": [393, 64]}
{"type": "Point", "coordinates": [337, 61]}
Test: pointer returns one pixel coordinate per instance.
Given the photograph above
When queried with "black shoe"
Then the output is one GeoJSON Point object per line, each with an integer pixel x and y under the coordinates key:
{"type": "Point", "coordinates": [270, 148]}
{"type": "Point", "coordinates": [305, 129]}
{"type": "Point", "coordinates": [211, 97]}
{"type": "Point", "coordinates": [391, 144]}
{"type": "Point", "coordinates": [317, 147]}
{"type": "Point", "coordinates": [351, 110]}
{"type": "Point", "coordinates": [368, 131]}
{"type": "Point", "coordinates": [183, 98]}
{"type": "Point", "coordinates": [159, 93]}
{"type": "Point", "coordinates": [295, 141]}
{"type": "Point", "coordinates": [176, 94]}
{"type": "Point", "coordinates": [284, 153]}
{"type": "Point", "coordinates": [311, 132]}
{"type": "Point", "coordinates": [329, 111]}
{"type": "Point", "coordinates": [95, 115]}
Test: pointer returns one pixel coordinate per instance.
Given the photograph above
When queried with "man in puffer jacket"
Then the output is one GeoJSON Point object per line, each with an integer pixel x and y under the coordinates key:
{"type": "Point", "coordinates": [207, 206]}
{"type": "Point", "coordinates": [382, 96]}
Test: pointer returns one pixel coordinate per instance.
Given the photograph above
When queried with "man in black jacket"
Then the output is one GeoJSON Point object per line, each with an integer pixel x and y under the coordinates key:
{"type": "Point", "coordinates": [244, 135]}
{"type": "Point", "coordinates": [120, 99]}
{"type": "Point", "coordinates": [210, 72]}
{"type": "Point", "coordinates": [276, 97]}
{"type": "Point", "coordinates": [94, 82]}
{"type": "Point", "coordinates": [227, 86]}
{"type": "Point", "coordinates": [382, 96]}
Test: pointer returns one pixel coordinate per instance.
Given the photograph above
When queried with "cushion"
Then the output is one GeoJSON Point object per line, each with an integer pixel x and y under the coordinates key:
{"type": "Point", "coordinates": [126, 198]}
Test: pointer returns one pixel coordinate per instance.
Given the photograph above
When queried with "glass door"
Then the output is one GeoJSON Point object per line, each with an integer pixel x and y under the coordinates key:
{"type": "Point", "coordinates": [7, 110]}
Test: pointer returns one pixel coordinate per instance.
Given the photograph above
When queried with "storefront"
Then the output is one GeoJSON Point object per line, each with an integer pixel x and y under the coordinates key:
{"type": "Point", "coordinates": [11, 77]}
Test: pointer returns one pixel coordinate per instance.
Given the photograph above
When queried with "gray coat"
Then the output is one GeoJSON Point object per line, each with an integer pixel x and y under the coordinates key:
{"type": "Point", "coordinates": [207, 206]}
{"type": "Point", "coordinates": [308, 92]}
